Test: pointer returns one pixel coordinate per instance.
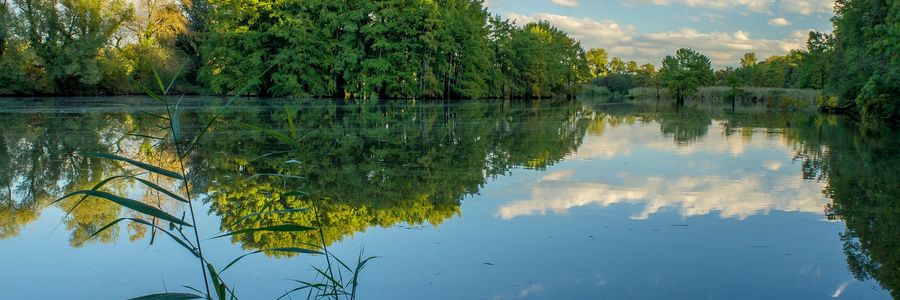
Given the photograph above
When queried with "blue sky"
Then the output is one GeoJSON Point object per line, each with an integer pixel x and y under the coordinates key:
{"type": "Point", "coordinates": [647, 30]}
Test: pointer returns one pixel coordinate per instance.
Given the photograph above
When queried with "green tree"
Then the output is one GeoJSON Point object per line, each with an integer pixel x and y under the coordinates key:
{"type": "Point", "coordinates": [646, 75]}
{"type": "Point", "coordinates": [617, 66]}
{"type": "Point", "coordinates": [749, 60]}
{"type": "Point", "coordinates": [69, 36]}
{"type": "Point", "coordinates": [866, 39]}
{"type": "Point", "coordinates": [598, 62]}
{"type": "Point", "coordinates": [632, 67]}
{"type": "Point", "coordinates": [684, 73]}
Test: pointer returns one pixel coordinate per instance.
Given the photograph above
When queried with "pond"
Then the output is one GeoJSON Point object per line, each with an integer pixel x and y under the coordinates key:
{"type": "Point", "coordinates": [549, 199]}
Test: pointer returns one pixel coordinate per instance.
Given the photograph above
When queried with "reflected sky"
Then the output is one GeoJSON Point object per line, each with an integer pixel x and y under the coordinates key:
{"type": "Point", "coordinates": [531, 201]}
{"type": "Point", "coordinates": [732, 176]}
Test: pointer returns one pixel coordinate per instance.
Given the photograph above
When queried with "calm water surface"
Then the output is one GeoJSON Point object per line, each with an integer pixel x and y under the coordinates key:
{"type": "Point", "coordinates": [466, 200]}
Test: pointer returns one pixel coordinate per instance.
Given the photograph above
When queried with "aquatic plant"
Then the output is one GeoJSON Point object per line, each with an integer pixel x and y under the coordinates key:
{"type": "Point", "coordinates": [183, 230]}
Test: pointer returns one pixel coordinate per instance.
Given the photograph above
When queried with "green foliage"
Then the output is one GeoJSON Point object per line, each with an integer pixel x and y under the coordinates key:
{"type": "Point", "coordinates": [597, 59]}
{"type": "Point", "coordinates": [684, 73]}
{"type": "Point", "coordinates": [617, 83]}
{"type": "Point", "coordinates": [73, 47]}
{"type": "Point", "coordinates": [866, 39]}
{"type": "Point", "coordinates": [387, 49]}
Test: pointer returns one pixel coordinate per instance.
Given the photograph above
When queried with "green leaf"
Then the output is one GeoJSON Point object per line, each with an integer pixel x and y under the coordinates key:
{"type": "Point", "coordinates": [218, 284]}
{"type": "Point", "coordinates": [290, 120]}
{"type": "Point", "coordinates": [162, 190]}
{"type": "Point", "coordinates": [215, 117]}
{"type": "Point", "coordinates": [291, 250]}
{"type": "Point", "coordinates": [276, 228]}
{"type": "Point", "coordinates": [140, 221]}
{"type": "Point", "coordinates": [169, 296]}
{"type": "Point", "coordinates": [131, 204]}
{"type": "Point", "coordinates": [176, 121]}
{"type": "Point", "coordinates": [144, 136]}
{"type": "Point", "coordinates": [158, 116]}
{"type": "Point", "coordinates": [274, 175]}
{"type": "Point", "coordinates": [275, 134]}
{"type": "Point", "coordinates": [159, 83]}
{"type": "Point", "coordinates": [151, 93]}
{"type": "Point", "coordinates": [138, 164]}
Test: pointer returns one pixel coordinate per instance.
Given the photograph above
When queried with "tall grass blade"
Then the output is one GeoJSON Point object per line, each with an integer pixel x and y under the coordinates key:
{"type": "Point", "coordinates": [215, 117]}
{"type": "Point", "coordinates": [169, 296]}
{"type": "Point", "coordinates": [161, 189]}
{"type": "Point", "coordinates": [144, 136]}
{"type": "Point", "coordinates": [158, 116]}
{"type": "Point", "coordinates": [151, 93]}
{"type": "Point", "coordinates": [176, 121]}
{"type": "Point", "coordinates": [275, 134]}
{"type": "Point", "coordinates": [276, 228]}
{"type": "Point", "coordinates": [159, 83]}
{"type": "Point", "coordinates": [94, 188]}
{"type": "Point", "coordinates": [141, 165]}
{"type": "Point", "coordinates": [290, 120]}
{"type": "Point", "coordinates": [140, 221]}
{"type": "Point", "coordinates": [131, 204]}
{"type": "Point", "coordinates": [291, 250]}
{"type": "Point", "coordinates": [218, 285]}
{"type": "Point", "coordinates": [305, 285]}
{"type": "Point", "coordinates": [274, 175]}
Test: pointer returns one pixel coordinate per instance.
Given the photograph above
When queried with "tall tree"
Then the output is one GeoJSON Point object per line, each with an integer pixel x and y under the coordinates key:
{"type": "Point", "coordinates": [617, 66]}
{"type": "Point", "coordinates": [684, 73]}
{"type": "Point", "coordinates": [68, 36]}
{"type": "Point", "coordinates": [598, 62]}
{"type": "Point", "coordinates": [749, 60]}
{"type": "Point", "coordinates": [867, 40]}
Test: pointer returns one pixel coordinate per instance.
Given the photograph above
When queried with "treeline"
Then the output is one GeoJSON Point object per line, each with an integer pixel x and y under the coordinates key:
{"type": "Point", "coordinates": [345, 49]}
{"type": "Point", "coordinates": [800, 68]}
{"type": "Point", "coordinates": [864, 62]}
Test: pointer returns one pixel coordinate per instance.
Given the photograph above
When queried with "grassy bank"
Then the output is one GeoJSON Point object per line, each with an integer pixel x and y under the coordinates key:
{"type": "Point", "coordinates": [772, 98]}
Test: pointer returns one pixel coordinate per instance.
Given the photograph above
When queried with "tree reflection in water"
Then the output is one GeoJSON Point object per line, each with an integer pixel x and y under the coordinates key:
{"type": "Point", "coordinates": [367, 164]}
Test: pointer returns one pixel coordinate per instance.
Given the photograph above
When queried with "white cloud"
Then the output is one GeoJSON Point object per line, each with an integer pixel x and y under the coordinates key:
{"type": "Point", "coordinates": [803, 7]}
{"type": "Point", "coordinates": [723, 48]}
{"type": "Point", "coordinates": [567, 3]}
{"type": "Point", "coordinates": [689, 192]}
{"type": "Point", "coordinates": [754, 5]}
{"type": "Point", "coordinates": [780, 22]}
{"type": "Point", "coordinates": [808, 7]}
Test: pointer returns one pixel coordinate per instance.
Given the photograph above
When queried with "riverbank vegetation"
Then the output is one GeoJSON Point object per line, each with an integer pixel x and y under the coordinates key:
{"type": "Point", "coordinates": [401, 49]}
{"type": "Point", "coordinates": [358, 49]}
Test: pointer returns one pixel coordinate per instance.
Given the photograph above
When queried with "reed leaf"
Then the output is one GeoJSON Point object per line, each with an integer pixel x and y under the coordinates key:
{"type": "Point", "coordinates": [151, 93]}
{"type": "Point", "coordinates": [144, 136]}
{"type": "Point", "coordinates": [131, 204]}
{"type": "Point", "coordinates": [140, 221]}
{"type": "Point", "coordinates": [274, 175]}
{"type": "Point", "coordinates": [218, 284]}
{"type": "Point", "coordinates": [169, 296]}
{"type": "Point", "coordinates": [138, 164]}
{"type": "Point", "coordinates": [275, 134]}
{"type": "Point", "coordinates": [291, 250]}
{"type": "Point", "coordinates": [161, 189]}
{"type": "Point", "coordinates": [290, 120]}
{"type": "Point", "coordinates": [176, 121]}
{"type": "Point", "coordinates": [159, 82]}
{"type": "Point", "coordinates": [215, 117]}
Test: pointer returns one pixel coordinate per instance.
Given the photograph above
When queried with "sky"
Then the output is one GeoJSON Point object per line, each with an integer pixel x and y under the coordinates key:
{"type": "Point", "coordinates": [647, 30]}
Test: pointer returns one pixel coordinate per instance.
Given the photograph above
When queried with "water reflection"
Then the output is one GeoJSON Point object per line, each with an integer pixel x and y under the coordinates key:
{"type": "Point", "coordinates": [382, 165]}
{"type": "Point", "coordinates": [743, 183]}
